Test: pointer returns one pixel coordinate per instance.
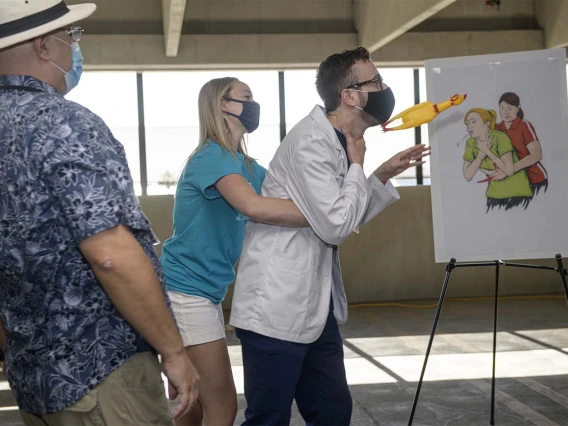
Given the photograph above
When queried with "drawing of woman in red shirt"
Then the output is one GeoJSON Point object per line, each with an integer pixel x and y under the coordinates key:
{"type": "Point", "coordinates": [524, 139]}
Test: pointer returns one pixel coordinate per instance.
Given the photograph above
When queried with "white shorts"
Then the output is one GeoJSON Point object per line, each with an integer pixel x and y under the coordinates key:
{"type": "Point", "coordinates": [199, 320]}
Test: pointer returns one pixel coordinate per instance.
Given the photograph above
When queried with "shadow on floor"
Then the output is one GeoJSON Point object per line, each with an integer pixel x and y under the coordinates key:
{"type": "Point", "coordinates": [384, 350]}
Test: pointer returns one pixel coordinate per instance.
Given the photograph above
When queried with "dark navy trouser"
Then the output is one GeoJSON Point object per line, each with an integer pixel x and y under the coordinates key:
{"type": "Point", "coordinates": [276, 372]}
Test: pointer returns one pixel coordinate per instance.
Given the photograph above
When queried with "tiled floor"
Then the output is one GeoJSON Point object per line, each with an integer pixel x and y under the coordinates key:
{"type": "Point", "coordinates": [384, 351]}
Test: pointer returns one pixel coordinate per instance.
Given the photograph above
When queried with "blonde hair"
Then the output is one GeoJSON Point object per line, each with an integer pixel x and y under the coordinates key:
{"type": "Point", "coordinates": [487, 116]}
{"type": "Point", "coordinates": [212, 125]}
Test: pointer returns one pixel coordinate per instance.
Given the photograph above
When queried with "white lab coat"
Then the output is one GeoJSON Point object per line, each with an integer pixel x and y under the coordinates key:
{"type": "Point", "coordinates": [285, 280]}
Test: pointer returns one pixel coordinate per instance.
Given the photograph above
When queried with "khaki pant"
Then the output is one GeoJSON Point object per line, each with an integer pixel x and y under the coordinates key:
{"type": "Point", "coordinates": [133, 395]}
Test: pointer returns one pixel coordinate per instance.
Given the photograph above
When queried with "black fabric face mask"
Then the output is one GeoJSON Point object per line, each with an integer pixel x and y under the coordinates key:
{"type": "Point", "coordinates": [380, 104]}
{"type": "Point", "coordinates": [250, 117]}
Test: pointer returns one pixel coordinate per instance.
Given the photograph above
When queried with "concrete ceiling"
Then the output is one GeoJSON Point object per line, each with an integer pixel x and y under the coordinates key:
{"type": "Point", "coordinates": [199, 34]}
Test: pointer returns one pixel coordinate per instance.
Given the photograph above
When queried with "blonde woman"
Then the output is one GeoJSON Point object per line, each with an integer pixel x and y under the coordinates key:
{"type": "Point", "coordinates": [489, 150]}
{"type": "Point", "coordinates": [217, 193]}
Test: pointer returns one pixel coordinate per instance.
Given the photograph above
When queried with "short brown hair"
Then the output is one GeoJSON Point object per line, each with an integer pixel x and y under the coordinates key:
{"type": "Point", "coordinates": [336, 73]}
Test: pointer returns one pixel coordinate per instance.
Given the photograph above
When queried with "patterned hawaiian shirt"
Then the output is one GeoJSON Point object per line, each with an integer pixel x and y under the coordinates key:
{"type": "Point", "coordinates": [63, 178]}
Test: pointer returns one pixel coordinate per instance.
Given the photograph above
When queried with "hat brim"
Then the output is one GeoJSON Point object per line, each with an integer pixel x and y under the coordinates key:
{"type": "Point", "coordinates": [76, 13]}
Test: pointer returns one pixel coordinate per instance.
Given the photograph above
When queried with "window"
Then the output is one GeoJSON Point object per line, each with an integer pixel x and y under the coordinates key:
{"type": "Point", "coordinates": [113, 97]}
{"type": "Point", "coordinates": [301, 95]}
{"type": "Point", "coordinates": [172, 120]}
{"type": "Point", "coordinates": [424, 128]}
{"type": "Point", "coordinates": [171, 117]}
{"type": "Point", "coordinates": [263, 142]}
{"type": "Point", "coordinates": [382, 146]}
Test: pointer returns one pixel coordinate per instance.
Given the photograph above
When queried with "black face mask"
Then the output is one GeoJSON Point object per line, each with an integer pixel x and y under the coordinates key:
{"type": "Point", "coordinates": [380, 105]}
{"type": "Point", "coordinates": [250, 117]}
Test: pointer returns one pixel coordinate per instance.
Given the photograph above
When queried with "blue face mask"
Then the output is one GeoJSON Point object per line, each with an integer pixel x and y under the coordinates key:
{"type": "Point", "coordinates": [250, 117]}
{"type": "Point", "coordinates": [72, 76]}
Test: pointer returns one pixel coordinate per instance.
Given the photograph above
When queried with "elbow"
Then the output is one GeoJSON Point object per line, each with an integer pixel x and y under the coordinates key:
{"type": "Point", "coordinates": [335, 224]}
{"type": "Point", "coordinates": [510, 171]}
{"type": "Point", "coordinates": [256, 214]}
{"type": "Point", "coordinates": [337, 240]}
{"type": "Point", "coordinates": [103, 263]}
{"type": "Point", "coordinates": [335, 236]}
{"type": "Point", "coordinates": [252, 214]}
{"type": "Point", "coordinates": [467, 174]}
{"type": "Point", "coordinates": [334, 240]}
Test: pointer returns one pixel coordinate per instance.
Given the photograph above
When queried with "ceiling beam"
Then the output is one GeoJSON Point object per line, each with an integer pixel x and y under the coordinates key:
{"type": "Point", "coordinates": [551, 16]}
{"type": "Point", "coordinates": [413, 48]}
{"type": "Point", "coordinates": [173, 13]}
{"type": "Point", "coordinates": [381, 21]}
{"type": "Point", "coordinates": [145, 52]}
{"type": "Point", "coordinates": [202, 52]}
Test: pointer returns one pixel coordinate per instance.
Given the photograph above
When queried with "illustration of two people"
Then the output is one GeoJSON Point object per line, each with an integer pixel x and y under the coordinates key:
{"type": "Point", "coordinates": [508, 153]}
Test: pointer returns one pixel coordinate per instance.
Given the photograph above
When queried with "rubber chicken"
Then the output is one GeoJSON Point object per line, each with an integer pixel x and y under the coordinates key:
{"type": "Point", "coordinates": [422, 113]}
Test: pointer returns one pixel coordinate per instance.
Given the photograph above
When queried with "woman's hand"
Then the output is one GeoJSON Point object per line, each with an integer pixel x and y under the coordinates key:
{"type": "Point", "coordinates": [485, 146]}
{"type": "Point", "coordinates": [498, 175]}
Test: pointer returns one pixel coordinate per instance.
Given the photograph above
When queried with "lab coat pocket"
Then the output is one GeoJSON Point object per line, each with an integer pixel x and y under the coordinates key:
{"type": "Point", "coordinates": [286, 301]}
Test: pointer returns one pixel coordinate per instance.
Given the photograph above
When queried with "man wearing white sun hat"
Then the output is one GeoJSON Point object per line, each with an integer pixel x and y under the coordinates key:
{"type": "Point", "coordinates": [83, 311]}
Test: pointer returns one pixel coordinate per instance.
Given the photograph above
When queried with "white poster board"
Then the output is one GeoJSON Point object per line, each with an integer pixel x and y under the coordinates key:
{"type": "Point", "coordinates": [505, 210]}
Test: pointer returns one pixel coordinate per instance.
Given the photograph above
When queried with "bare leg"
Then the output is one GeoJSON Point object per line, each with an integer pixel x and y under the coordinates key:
{"type": "Point", "coordinates": [193, 418]}
{"type": "Point", "coordinates": [217, 394]}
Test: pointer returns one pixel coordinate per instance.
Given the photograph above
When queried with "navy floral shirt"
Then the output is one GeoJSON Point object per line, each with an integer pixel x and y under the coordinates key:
{"type": "Point", "coordinates": [63, 178]}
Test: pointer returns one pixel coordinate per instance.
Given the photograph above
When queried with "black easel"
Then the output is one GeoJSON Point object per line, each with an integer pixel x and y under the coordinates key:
{"type": "Point", "coordinates": [497, 263]}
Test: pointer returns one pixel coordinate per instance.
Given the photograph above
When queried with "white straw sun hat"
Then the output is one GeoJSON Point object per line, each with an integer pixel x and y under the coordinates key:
{"type": "Point", "coordinates": [22, 20]}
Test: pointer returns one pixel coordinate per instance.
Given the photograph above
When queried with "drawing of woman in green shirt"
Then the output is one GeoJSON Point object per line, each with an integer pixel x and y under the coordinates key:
{"type": "Point", "coordinates": [487, 150]}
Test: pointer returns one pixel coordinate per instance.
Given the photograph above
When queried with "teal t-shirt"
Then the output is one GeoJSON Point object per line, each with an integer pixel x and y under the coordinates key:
{"type": "Point", "coordinates": [199, 258]}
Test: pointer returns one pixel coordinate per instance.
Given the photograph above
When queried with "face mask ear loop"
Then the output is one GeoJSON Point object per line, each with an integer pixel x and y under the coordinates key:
{"type": "Point", "coordinates": [58, 67]}
{"type": "Point", "coordinates": [360, 91]}
{"type": "Point", "coordinates": [62, 41]}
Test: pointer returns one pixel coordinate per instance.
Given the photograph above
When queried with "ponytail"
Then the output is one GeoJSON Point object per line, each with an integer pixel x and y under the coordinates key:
{"type": "Point", "coordinates": [493, 115]}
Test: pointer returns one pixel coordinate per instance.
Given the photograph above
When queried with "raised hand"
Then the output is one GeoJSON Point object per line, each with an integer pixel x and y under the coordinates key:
{"type": "Point", "coordinates": [402, 161]}
{"type": "Point", "coordinates": [485, 146]}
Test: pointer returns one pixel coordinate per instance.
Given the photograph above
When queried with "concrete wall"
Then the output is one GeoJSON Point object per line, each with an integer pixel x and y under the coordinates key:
{"type": "Point", "coordinates": [551, 16]}
{"type": "Point", "coordinates": [392, 258]}
{"type": "Point", "coordinates": [159, 210]}
{"type": "Point", "coordinates": [474, 15]}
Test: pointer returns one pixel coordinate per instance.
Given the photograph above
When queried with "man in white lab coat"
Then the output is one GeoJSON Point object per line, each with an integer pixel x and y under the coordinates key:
{"type": "Point", "coordinates": [289, 295]}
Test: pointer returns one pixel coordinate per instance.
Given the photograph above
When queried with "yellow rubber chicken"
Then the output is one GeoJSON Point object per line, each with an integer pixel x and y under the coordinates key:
{"type": "Point", "coordinates": [422, 113]}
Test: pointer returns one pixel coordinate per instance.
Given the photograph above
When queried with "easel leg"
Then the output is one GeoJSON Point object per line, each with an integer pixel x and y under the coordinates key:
{"type": "Point", "coordinates": [562, 273]}
{"type": "Point", "coordinates": [449, 268]}
{"type": "Point", "coordinates": [494, 341]}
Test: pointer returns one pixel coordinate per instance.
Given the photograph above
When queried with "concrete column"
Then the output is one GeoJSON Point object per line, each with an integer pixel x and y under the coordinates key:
{"type": "Point", "coordinates": [281, 51]}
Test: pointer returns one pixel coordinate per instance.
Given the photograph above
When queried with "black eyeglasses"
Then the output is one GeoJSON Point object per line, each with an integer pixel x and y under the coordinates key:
{"type": "Point", "coordinates": [378, 80]}
{"type": "Point", "coordinates": [75, 33]}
